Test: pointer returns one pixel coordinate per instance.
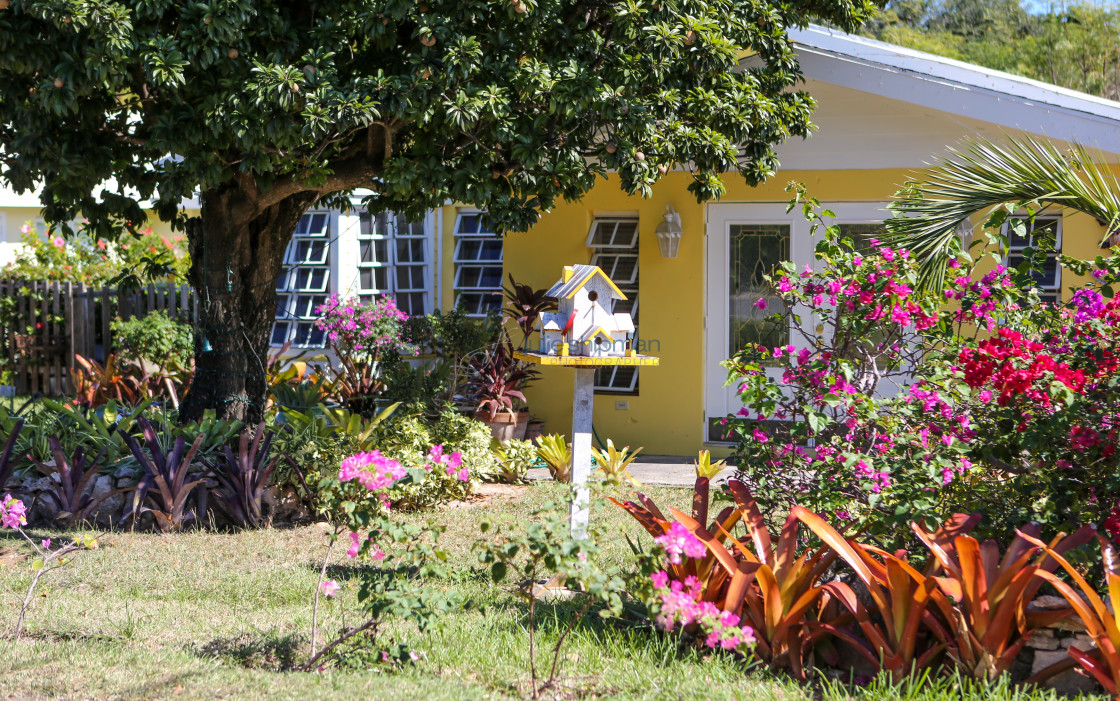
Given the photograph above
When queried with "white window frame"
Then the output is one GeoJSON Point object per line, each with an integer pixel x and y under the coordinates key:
{"type": "Point", "coordinates": [462, 265]}
{"type": "Point", "coordinates": [290, 298]}
{"type": "Point", "coordinates": [611, 379]}
{"type": "Point", "coordinates": [1017, 244]}
{"type": "Point", "coordinates": [719, 401]}
{"type": "Point", "coordinates": [387, 227]}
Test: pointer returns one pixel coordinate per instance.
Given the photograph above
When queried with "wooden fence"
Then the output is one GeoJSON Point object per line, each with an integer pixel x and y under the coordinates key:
{"type": "Point", "coordinates": [47, 323]}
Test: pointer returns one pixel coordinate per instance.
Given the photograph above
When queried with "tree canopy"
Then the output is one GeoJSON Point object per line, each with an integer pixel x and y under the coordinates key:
{"type": "Point", "coordinates": [505, 104]}
{"type": "Point", "coordinates": [265, 108]}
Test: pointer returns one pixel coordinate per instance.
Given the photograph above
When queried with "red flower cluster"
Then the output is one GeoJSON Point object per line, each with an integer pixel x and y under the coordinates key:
{"type": "Point", "coordinates": [1013, 365]}
{"type": "Point", "coordinates": [1112, 524]}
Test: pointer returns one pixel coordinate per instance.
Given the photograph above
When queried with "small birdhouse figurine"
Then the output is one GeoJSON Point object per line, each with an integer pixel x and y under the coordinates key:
{"type": "Point", "coordinates": [585, 323]}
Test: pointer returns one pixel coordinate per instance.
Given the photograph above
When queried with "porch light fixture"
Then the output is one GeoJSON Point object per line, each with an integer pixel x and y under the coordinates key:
{"type": "Point", "coordinates": [669, 233]}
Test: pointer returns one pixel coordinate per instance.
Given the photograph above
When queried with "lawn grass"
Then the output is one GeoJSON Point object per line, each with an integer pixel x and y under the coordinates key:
{"type": "Point", "coordinates": [227, 615]}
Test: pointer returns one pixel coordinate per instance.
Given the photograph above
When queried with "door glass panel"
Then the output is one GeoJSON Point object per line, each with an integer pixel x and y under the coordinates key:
{"type": "Point", "coordinates": [756, 249]}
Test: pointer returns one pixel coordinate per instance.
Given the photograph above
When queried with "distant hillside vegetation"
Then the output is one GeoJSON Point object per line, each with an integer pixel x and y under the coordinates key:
{"type": "Point", "coordinates": [1075, 46]}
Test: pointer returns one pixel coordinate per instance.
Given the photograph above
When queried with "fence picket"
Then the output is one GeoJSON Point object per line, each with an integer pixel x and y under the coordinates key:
{"type": "Point", "coordinates": [106, 317]}
{"type": "Point", "coordinates": [22, 381]}
{"type": "Point", "coordinates": [57, 383]}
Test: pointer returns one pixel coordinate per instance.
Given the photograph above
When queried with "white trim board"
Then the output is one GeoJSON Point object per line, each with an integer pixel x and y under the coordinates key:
{"type": "Point", "coordinates": [958, 88]}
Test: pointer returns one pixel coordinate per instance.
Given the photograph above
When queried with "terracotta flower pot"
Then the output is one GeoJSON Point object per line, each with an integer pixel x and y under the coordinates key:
{"type": "Point", "coordinates": [505, 426]}
{"type": "Point", "coordinates": [534, 430]}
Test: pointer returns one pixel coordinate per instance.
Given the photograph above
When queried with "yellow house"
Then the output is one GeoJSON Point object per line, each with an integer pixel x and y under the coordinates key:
{"type": "Point", "coordinates": [883, 113]}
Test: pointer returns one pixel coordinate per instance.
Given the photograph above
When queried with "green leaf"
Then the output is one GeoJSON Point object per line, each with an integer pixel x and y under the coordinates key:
{"type": "Point", "coordinates": [498, 571]}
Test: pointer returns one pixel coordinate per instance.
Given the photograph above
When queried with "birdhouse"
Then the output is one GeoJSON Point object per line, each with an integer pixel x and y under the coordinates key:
{"type": "Point", "coordinates": [585, 323]}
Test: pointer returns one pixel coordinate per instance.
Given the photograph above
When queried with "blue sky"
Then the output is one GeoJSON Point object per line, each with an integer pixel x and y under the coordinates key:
{"type": "Point", "coordinates": [1043, 5]}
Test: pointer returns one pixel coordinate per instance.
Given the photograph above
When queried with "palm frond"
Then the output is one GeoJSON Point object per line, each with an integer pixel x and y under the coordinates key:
{"type": "Point", "coordinates": [984, 174]}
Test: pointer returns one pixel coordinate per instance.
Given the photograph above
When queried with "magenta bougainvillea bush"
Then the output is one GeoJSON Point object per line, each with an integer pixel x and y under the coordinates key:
{"type": "Point", "coordinates": [370, 328]}
{"type": "Point", "coordinates": [894, 402]}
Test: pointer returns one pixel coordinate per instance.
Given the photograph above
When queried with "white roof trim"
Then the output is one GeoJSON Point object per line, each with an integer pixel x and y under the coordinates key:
{"type": "Point", "coordinates": [957, 87]}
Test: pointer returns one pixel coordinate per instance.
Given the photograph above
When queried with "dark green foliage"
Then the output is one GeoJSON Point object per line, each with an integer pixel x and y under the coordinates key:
{"type": "Point", "coordinates": [469, 101]}
{"type": "Point", "coordinates": [1073, 45]}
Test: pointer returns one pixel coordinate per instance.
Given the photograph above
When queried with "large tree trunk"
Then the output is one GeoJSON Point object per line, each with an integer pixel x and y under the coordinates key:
{"type": "Point", "coordinates": [234, 268]}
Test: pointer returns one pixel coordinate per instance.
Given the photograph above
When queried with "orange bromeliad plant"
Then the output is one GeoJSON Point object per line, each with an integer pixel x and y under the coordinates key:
{"type": "Point", "coordinates": [992, 594]}
{"type": "Point", "coordinates": [1102, 621]}
{"type": "Point", "coordinates": [767, 583]}
{"type": "Point", "coordinates": [901, 631]}
{"type": "Point", "coordinates": [96, 384]}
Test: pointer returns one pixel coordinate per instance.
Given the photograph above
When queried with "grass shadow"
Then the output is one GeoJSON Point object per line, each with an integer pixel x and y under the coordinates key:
{"type": "Point", "coordinates": [266, 651]}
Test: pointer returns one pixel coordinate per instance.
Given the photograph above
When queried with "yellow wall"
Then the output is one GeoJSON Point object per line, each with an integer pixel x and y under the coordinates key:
{"type": "Point", "coordinates": [667, 414]}
{"type": "Point", "coordinates": [18, 216]}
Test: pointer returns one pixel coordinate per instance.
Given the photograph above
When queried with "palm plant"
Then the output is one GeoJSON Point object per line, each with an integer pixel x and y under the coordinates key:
{"type": "Point", "coordinates": [1020, 173]}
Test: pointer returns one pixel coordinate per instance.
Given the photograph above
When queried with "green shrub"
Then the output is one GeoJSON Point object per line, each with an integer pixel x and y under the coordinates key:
{"type": "Point", "coordinates": [316, 447]}
{"type": "Point", "coordinates": [155, 337]}
{"type": "Point", "coordinates": [514, 460]}
{"type": "Point", "coordinates": [318, 451]}
{"type": "Point", "coordinates": [408, 438]}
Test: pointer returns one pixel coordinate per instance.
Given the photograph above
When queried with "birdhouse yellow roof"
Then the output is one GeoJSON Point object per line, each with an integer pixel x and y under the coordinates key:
{"type": "Point", "coordinates": [594, 331]}
{"type": "Point", "coordinates": [575, 277]}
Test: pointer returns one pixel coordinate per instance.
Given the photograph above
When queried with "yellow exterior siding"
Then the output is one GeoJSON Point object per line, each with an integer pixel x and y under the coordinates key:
{"type": "Point", "coordinates": [666, 416]}
{"type": "Point", "coordinates": [18, 216]}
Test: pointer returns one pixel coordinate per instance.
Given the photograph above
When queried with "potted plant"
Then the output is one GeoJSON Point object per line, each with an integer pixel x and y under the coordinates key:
{"type": "Point", "coordinates": [534, 429]}
{"type": "Point", "coordinates": [495, 384]}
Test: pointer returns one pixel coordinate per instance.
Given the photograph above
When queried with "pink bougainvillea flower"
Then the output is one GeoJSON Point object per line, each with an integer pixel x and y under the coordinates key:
{"type": "Point", "coordinates": [761, 303]}
{"type": "Point", "coordinates": [355, 546]}
{"type": "Point", "coordinates": [679, 540]}
{"type": "Point", "coordinates": [46, 543]}
{"type": "Point", "coordinates": [329, 588]}
{"type": "Point", "coordinates": [13, 513]}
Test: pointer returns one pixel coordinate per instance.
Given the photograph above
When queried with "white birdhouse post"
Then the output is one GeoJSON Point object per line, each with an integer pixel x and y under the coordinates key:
{"type": "Point", "coordinates": [584, 334]}
{"type": "Point", "coordinates": [583, 408]}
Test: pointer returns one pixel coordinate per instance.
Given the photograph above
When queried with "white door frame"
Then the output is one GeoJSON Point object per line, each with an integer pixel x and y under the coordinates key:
{"type": "Point", "coordinates": [719, 401]}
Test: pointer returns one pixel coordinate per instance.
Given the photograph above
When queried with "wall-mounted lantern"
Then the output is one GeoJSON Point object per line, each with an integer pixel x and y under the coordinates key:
{"type": "Point", "coordinates": [669, 233]}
